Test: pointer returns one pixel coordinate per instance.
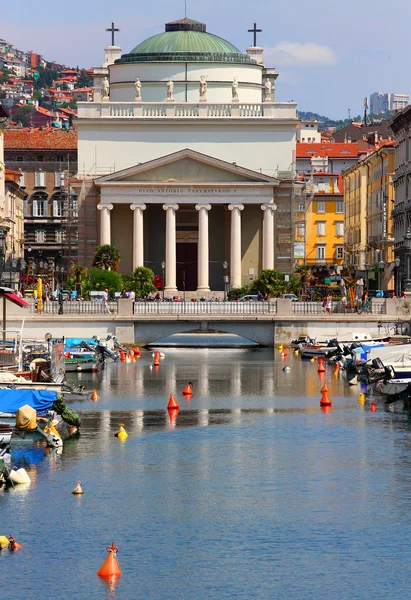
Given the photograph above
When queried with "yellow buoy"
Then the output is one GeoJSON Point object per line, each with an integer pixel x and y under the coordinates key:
{"type": "Point", "coordinates": [4, 542]}
{"type": "Point", "coordinates": [78, 489]}
{"type": "Point", "coordinates": [296, 352]}
{"type": "Point", "coordinates": [361, 398]}
{"type": "Point", "coordinates": [280, 347]}
{"type": "Point", "coordinates": [121, 433]}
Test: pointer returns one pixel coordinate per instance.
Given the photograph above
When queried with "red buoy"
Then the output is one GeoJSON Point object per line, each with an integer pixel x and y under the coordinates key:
{"type": "Point", "coordinates": [172, 403]}
{"type": "Point", "coordinates": [373, 407]}
{"type": "Point", "coordinates": [110, 567]}
{"type": "Point", "coordinates": [321, 367]}
{"type": "Point", "coordinates": [156, 361]}
{"type": "Point", "coordinates": [325, 398]}
{"type": "Point", "coordinates": [188, 390]}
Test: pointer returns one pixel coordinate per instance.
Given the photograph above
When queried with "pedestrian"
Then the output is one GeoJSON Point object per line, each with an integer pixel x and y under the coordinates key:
{"type": "Point", "coordinates": [132, 295]}
{"type": "Point", "coordinates": [105, 300]}
{"type": "Point", "coordinates": [403, 295]}
{"type": "Point", "coordinates": [259, 296]}
{"type": "Point", "coordinates": [60, 301]}
{"type": "Point", "coordinates": [365, 303]}
{"type": "Point", "coordinates": [328, 303]}
{"type": "Point", "coordinates": [123, 294]}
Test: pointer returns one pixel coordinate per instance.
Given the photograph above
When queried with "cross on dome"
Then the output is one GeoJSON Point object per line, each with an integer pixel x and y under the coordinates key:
{"type": "Point", "coordinates": [255, 31]}
{"type": "Point", "coordinates": [113, 30]}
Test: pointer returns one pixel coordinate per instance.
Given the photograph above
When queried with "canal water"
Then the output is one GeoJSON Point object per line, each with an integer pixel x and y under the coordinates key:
{"type": "Point", "coordinates": [251, 492]}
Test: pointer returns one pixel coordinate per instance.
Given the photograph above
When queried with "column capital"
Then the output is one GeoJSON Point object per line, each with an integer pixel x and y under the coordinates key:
{"type": "Point", "coordinates": [173, 206]}
{"type": "Point", "coordinates": [200, 206]}
{"type": "Point", "coordinates": [234, 206]}
{"type": "Point", "coordinates": [272, 207]}
{"type": "Point", "coordinates": [136, 206]}
{"type": "Point", "coordinates": [108, 206]}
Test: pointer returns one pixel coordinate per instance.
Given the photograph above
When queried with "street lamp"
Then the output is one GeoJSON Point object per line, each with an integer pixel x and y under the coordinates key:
{"type": "Point", "coordinates": [397, 263]}
{"type": "Point", "coordinates": [407, 239]}
{"type": "Point", "coordinates": [163, 266]}
{"type": "Point", "coordinates": [367, 269]}
{"type": "Point", "coordinates": [225, 267]}
{"type": "Point", "coordinates": [381, 266]}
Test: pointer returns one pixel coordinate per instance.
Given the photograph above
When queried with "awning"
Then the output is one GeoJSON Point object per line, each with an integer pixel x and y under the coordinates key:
{"type": "Point", "coordinates": [15, 299]}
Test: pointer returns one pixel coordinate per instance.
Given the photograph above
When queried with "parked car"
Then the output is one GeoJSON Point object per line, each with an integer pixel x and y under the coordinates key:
{"type": "Point", "coordinates": [292, 297]}
{"type": "Point", "coordinates": [248, 298]}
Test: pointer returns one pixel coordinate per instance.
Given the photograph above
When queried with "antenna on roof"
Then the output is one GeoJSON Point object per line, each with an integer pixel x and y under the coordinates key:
{"type": "Point", "coordinates": [185, 8]}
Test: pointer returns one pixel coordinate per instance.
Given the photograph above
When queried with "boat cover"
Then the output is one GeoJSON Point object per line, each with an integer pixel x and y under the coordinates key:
{"type": "Point", "coordinates": [73, 342]}
{"type": "Point", "coordinates": [399, 354]}
{"type": "Point", "coordinates": [40, 400]}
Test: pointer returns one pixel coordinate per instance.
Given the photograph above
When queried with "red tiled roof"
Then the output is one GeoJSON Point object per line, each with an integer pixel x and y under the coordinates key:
{"type": "Point", "coordinates": [41, 140]}
{"type": "Point", "coordinates": [330, 149]}
{"type": "Point", "coordinates": [86, 89]}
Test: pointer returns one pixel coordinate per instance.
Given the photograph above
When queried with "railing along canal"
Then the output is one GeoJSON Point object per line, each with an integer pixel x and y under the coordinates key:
{"type": "Point", "coordinates": [82, 307]}
{"type": "Point", "coordinates": [377, 307]}
{"type": "Point", "coordinates": [205, 308]}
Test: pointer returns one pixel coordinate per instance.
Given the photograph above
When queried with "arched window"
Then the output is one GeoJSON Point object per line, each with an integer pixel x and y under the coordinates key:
{"type": "Point", "coordinates": [58, 200]}
{"type": "Point", "coordinates": [39, 204]}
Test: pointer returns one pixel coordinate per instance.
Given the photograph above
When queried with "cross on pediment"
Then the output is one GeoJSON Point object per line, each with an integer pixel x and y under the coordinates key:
{"type": "Point", "coordinates": [113, 30]}
{"type": "Point", "coordinates": [255, 31]}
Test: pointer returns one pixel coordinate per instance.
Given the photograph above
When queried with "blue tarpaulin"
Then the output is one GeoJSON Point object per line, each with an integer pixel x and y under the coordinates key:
{"type": "Point", "coordinates": [40, 400]}
{"type": "Point", "coordinates": [73, 342]}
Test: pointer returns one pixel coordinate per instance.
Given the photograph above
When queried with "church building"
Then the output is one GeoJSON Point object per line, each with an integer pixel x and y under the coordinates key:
{"type": "Point", "coordinates": [186, 161]}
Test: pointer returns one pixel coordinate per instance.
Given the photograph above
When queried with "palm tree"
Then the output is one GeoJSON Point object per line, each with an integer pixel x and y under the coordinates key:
{"type": "Point", "coordinates": [79, 272]}
{"type": "Point", "coordinates": [107, 257]}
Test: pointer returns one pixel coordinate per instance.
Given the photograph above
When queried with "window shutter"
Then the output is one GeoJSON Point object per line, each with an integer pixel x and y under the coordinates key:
{"type": "Point", "coordinates": [57, 179]}
{"type": "Point", "coordinates": [55, 208]}
{"type": "Point", "coordinates": [22, 180]}
{"type": "Point", "coordinates": [35, 210]}
{"type": "Point", "coordinates": [42, 179]}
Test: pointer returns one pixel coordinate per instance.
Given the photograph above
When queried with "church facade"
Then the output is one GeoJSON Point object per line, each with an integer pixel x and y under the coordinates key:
{"type": "Point", "coordinates": [185, 161]}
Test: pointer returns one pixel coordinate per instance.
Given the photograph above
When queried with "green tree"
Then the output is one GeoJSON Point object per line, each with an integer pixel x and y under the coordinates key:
{"type": "Point", "coordinates": [107, 257]}
{"type": "Point", "coordinates": [142, 281]}
{"type": "Point", "coordinates": [79, 273]}
{"type": "Point", "coordinates": [273, 283]}
{"type": "Point", "coordinates": [84, 80]}
{"type": "Point", "coordinates": [22, 115]}
{"type": "Point", "coordinates": [99, 280]}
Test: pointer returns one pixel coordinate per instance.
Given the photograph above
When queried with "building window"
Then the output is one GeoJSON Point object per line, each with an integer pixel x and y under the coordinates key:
{"type": "Point", "coordinates": [58, 208]}
{"type": "Point", "coordinates": [40, 205]}
{"type": "Point", "coordinates": [301, 230]}
{"type": "Point", "coordinates": [39, 179]}
{"type": "Point", "coordinates": [301, 206]}
{"type": "Point", "coordinates": [58, 179]}
{"type": "Point", "coordinates": [40, 236]}
{"type": "Point", "coordinates": [339, 228]}
{"type": "Point", "coordinates": [339, 207]}
{"type": "Point", "coordinates": [22, 180]}
{"type": "Point", "coordinates": [320, 207]}
{"type": "Point", "coordinates": [320, 228]}
{"type": "Point", "coordinates": [321, 253]}
{"type": "Point", "coordinates": [339, 252]}
{"type": "Point", "coordinates": [60, 236]}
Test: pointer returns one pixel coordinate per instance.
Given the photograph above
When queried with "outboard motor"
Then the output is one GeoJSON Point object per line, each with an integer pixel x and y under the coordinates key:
{"type": "Point", "coordinates": [118, 345]}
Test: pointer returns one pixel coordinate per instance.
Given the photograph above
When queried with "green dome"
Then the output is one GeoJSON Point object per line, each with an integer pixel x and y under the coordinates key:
{"type": "Point", "coordinates": [185, 41]}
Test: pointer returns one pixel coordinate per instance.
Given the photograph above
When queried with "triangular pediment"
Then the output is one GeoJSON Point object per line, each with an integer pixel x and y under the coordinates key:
{"type": "Point", "coordinates": [187, 166]}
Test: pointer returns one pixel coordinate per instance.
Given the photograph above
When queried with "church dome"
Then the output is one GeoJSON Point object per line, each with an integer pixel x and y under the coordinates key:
{"type": "Point", "coordinates": [185, 41]}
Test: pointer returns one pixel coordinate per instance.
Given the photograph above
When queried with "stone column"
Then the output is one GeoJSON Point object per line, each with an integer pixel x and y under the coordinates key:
{"type": "Point", "coordinates": [171, 259]}
{"type": "Point", "coordinates": [235, 245]}
{"type": "Point", "coordinates": [138, 235]}
{"type": "Point", "coordinates": [268, 235]}
{"type": "Point", "coordinates": [105, 223]}
{"type": "Point", "coordinates": [203, 284]}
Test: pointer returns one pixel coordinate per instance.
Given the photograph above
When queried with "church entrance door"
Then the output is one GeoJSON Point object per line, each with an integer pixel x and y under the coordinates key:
{"type": "Point", "coordinates": [186, 268]}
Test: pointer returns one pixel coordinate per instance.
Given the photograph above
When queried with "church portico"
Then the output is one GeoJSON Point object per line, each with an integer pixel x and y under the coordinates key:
{"type": "Point", "coordinates": [193, 225]}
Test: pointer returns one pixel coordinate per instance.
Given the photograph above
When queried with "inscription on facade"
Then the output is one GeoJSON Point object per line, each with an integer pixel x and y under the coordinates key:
{"type": "Point", "coordinates": [189, 191]}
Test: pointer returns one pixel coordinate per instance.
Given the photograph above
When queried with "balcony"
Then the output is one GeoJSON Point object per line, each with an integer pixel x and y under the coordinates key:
{"type": "Point", "coordinates": [279, 111]}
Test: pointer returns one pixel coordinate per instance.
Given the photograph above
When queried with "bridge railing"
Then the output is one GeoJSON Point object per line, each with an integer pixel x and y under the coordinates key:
{"type": "Point", "coordinates": [377, 306]}
{"type": "Point", "coordinates": [205, 308]}
{"type": "Point", "coordinates": [81, 307]}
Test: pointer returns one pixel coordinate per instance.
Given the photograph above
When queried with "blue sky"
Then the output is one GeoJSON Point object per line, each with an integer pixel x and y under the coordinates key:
{"type": "Point", "coordinates": [329, 54]}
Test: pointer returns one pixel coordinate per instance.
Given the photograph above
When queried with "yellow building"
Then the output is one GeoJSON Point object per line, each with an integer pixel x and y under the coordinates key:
{"type": "Point", "coordinates": [369, 200]}
{"type": "Point", "coordinates": [324, 223]}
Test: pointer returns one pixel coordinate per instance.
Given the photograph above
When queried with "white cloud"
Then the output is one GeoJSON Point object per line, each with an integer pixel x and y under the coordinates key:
{"type": "Point", "coordinates": [293, 53]}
